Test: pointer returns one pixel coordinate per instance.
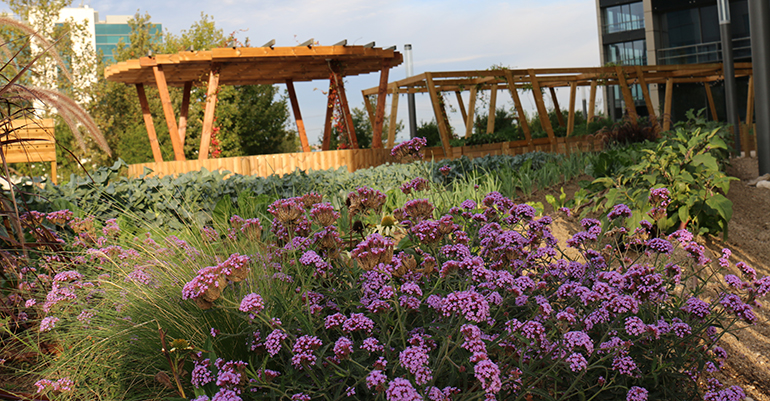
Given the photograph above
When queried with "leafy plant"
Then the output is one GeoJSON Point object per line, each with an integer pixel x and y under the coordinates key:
{"type": "Point", "coordinates": [687, 161]}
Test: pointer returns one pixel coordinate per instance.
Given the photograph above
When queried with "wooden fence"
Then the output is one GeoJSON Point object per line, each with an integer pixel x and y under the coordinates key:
{"type": "Point", "coordinates": [569, 145]}
{"type": "Point", "coordinates": [265, 165]}
{"type": "Point", "coordinates": [30, 141]}
{"type": "Point", "coordinates": [355, 159]}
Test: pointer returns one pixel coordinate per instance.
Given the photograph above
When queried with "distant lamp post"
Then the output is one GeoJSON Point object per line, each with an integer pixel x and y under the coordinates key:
{"type": "Point", "coordinates": [723, 7]}
{"type": "Point", "coordinates": [410, 95]}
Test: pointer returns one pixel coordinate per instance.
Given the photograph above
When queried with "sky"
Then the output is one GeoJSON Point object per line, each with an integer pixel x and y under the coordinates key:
{"type": "Point", "coordinates": [447, 35]}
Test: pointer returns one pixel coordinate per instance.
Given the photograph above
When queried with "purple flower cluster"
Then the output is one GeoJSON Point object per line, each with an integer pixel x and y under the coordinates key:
{"type": "Point", "coordinates": [365, 199]}
{"type": "Point", "coordinates": [372, 251]}
{"type": "Point", "coordinates": [619, 211]}
{"type": "Point", "coordinates": [418, 184]}
{"type": "Point", "coordinates": [310, 258]}
{"type": "Point", "coordinates": [415, 359]}
{"type": "Point", "coordinates": [324, 214]}
{"type": "Point", "coordinates": [273, 341]}
{"type": "Point", "coordinates": [304, 356]}
{"type": "Point", "coordinates": [343, 347]}
{"type": "Point", "coordinates": [409, 150]}
{"type": "Point", "coordinates": [61, 385]}
{"type": "Point", "coordinates": [252, 303]}
{"type": "Point", "coordinates": [401, 389]}
{"type": "Point", "coordinates": [470, 304]}
{"type": "Point", "coordinates": [209, 282]}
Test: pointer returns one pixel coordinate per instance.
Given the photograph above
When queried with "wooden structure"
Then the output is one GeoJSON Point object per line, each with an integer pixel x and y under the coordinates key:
{"type": "Point", "coordinates": [30, 141]}
{"type": "Point", "coordinates": [534, 82]}
{"type": "Point", "coordinates": [354, 159]}
{"type": "Point", "coordinates": [250, 66]}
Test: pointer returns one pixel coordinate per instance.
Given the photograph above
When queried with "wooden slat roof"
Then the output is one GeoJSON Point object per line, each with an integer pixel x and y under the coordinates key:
{"type": "Point", "coordinates": [254, 65]}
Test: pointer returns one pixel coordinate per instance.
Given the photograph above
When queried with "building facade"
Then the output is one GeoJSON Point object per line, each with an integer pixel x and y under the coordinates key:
{"type": "Point", "coordinates": [654, 32]}
{"type": "Point", "coordinates": [103, 35]}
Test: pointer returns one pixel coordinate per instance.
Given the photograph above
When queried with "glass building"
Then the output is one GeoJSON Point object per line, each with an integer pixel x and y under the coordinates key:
{"type": "Point", "coordinates": [658, 32]}
{"type": "Point", "coordinates": [110, 32]}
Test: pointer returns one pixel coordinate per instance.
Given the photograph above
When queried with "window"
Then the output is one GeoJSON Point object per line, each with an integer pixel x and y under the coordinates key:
{"type": "Point", "coordinates": [627, 53]}
{"type": "Point", "coordinates": [625, 17]}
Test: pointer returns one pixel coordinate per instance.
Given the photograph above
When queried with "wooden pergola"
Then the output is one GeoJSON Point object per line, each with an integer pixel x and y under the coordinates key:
{"type": "Point", "coordinates": [535, 81]}
{"type": "Point", "coordinates": [253, 66]}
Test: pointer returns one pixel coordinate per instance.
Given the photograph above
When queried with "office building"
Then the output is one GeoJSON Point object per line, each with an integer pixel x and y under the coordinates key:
{"type": "Point", "coordinates": [655, 32]}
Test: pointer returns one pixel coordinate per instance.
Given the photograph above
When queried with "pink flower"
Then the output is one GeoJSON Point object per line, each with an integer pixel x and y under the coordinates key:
{"type": "Point", "coordinates": [401, 389]}
{"type": "Point", "coordinates": [252, 303]}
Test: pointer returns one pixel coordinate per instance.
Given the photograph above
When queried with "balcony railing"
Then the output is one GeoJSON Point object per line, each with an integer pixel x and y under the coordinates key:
{"type": "Point", "coordinates": [704, 52]}
{"type": "Point", "coordinates": [624, 26]}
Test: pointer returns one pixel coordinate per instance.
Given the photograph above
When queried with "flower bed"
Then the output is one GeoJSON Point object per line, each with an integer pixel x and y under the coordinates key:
{"type": "Point", "coordinates": [475, 302]}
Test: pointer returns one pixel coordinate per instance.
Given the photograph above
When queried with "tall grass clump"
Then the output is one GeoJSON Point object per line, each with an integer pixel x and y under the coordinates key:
{"type": "Point", "coordinates": [478, 302]}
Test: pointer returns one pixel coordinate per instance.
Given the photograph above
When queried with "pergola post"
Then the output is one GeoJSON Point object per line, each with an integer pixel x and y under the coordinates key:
{"type": "Point", "coordinates": [519, 108]}
{"type": "Point", "coordinates": [492, 108]}
{"type": "Point", "coordinates": [329, 115]}
{"type": "Point", "coordinates": [148, 123]}
{"type": "Point", "coordinates": [459, 96]}
{"type": "Point", "coordinates": [297, 116]}
{"type": "Point", "coordinates": [393, 119]}
{"type": "Point", "coordinates": [710, 97]}
{"type": "Point", "coordinates": [382, 95]}
{"type": "Point", "coordinates": [667, 106]}
{"type": "Point", "coordinates": [646, 93]}
{"type": "Point", "coordinates": [184, 111]}
{"type": "Point", "coordinates": [168, 111]}
{"type": "Point", "coordinates": [591, 102]}
{"type": "Point", "coordinates": [345, 107]}
{"type": "Point", "coordinates": [628, 98]}
{"type": "Point", "coordinates": [541, 110]}
{"type": "Point", "coordinates": [369, 108]}
{"type": "Point", "coordinates": [556, 107]}
{"type": "Point", "coordinates": [571, 116]}
{"type": "Point", "coordinates": [208, 113]}
{"type": "Point", "coordinates": [438, 111]}
{"type": "Point", "coordinates": [471, 111]}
